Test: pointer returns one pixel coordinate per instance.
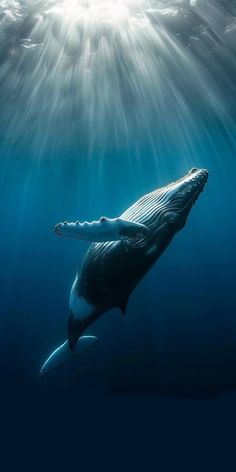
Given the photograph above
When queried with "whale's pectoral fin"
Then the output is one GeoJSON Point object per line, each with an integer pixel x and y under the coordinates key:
{"type": "Point", "coordinates": [63, 353]}
{"type": "Point", "coordinates": [103, 230]}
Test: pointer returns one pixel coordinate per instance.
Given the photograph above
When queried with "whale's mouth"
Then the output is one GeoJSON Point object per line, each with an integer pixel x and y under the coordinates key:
{"type": "Point", "coordinates": [193, 185]}
{"type": "Point", "coordinates": [178, 197]}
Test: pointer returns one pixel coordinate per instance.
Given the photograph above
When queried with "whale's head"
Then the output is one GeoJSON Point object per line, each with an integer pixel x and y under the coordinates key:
{"type": "Point", "coordinates": [166, 209]}
{"type": "Point", "coordinates": [174, 202]}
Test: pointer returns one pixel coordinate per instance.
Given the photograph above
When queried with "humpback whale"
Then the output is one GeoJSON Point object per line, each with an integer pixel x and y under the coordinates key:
{"type": "Point", "coordinates": [122, 252]}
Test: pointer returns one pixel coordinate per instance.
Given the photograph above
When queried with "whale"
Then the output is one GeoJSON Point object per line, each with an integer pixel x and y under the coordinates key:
{"type": "Point", "coordinates": [123, 250]}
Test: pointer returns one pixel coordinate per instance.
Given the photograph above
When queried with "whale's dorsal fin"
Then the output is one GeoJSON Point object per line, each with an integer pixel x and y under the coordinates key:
{"type": "Point", "coordinates": [104, 230]}
{"type": "Point", "coordinates": [123, 304]}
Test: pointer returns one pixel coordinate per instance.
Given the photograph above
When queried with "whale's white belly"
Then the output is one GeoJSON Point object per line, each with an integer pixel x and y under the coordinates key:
{"type": "Point", "coordinates": [80, 308]}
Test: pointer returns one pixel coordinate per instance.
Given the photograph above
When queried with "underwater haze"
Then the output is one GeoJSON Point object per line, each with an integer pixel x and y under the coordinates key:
{"type": "Point", "coordinates": [102, 101]}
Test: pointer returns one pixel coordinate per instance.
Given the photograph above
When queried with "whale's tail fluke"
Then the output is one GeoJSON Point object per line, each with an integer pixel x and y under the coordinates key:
{"type": "Point", "coordinates": [63, 353]}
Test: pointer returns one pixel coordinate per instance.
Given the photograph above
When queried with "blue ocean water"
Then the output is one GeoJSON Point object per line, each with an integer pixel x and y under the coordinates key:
{"type": "Point", "coordinates": [101, 104]}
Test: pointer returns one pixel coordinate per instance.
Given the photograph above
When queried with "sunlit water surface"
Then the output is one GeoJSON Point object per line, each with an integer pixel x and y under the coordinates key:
{"type": "Point", "coordinates": [82, 77]}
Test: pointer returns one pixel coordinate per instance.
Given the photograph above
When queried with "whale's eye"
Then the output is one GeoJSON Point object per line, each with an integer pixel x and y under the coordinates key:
{"type": "Point", "coordinates": [171, 216]}
{"type": "Point", "coordinates": [102, 219]}
{"type": "Point", "coordinates": [193, 170]}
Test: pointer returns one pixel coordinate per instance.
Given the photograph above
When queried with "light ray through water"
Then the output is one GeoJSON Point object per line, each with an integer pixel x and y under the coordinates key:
{"type": "Point", "coordinates": [86, 77]}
